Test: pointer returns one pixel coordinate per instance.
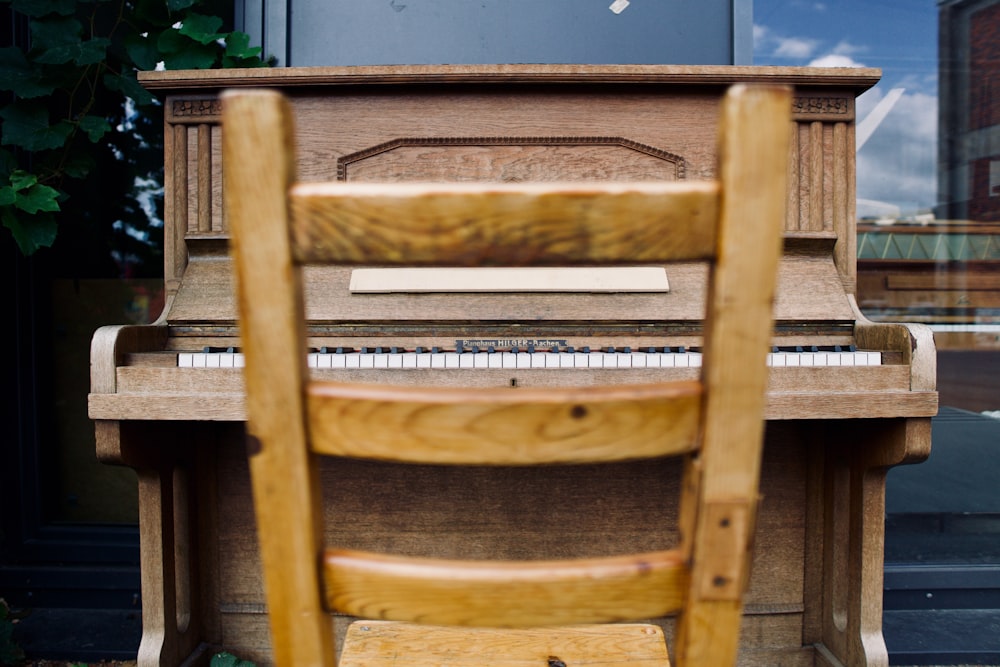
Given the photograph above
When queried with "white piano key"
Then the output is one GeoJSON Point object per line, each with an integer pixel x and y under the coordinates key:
{"type": "Point", "coordinates": [529, 360]}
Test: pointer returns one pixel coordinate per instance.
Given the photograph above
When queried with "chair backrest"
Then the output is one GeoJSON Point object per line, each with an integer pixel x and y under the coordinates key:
{"type": "Point", "coordinates": [716, 422]}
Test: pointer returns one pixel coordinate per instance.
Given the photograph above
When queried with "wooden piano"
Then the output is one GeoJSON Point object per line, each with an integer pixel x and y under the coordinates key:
{"type": "Point", "coordinates": [848, 398]}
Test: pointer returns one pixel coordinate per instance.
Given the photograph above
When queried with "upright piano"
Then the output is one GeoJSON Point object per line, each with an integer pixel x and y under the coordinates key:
{"type": "Point", "coordinates": [848, 398]}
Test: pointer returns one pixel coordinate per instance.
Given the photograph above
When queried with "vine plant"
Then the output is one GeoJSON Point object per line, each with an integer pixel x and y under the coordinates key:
{"type": "Point", "coordinates": [80, 140]}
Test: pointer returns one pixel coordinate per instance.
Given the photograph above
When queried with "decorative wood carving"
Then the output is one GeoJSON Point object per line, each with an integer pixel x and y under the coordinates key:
{"type": "Point", "coordinates": [505, 153]}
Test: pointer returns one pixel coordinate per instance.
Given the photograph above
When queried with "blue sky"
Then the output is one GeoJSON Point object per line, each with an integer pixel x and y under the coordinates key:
{"type": "Point", "coordinates": [896, 167]}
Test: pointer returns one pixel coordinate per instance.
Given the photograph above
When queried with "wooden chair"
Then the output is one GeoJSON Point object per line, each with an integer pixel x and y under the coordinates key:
{"type": "Point", "coordinates": [716, 422]}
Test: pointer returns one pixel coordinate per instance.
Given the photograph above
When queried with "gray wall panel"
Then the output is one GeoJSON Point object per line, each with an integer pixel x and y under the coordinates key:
{"type": "Point", "coordinates": [391, 32]}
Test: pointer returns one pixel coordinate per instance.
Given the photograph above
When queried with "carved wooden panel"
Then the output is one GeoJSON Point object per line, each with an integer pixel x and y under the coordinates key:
{"type": "Point", "coordinates": [511, 159]}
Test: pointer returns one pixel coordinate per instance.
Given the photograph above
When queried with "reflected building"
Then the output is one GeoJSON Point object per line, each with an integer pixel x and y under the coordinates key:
{"type": "Point", "coordinates": [969, 106]}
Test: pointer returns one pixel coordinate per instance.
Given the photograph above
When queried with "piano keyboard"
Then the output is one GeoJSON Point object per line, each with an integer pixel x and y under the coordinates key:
{"type": "Point", "coordinates": [434, 358]}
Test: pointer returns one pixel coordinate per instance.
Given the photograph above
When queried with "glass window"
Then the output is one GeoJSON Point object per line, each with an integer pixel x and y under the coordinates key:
{"type": "Point", "coordinates": [928, 188]}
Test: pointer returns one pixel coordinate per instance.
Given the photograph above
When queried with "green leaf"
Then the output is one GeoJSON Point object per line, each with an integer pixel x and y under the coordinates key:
{"type": "Point", "coordinates": [21, 179]}
{"type": "Point", "coordinates": [26, 124]}
{"type": "Point", "coordinates": [59, 41]}
{"type": "Point", "coordinates": [181, 52]}
{"type": "Point", "coordinates": [54, 34]}
{"type": "Point", "coordinates": [127, 85]}
{"type": "Point", "coordinates": [95, 127]}
{"type": "Point", "coordinates": [153, 12]}
{"type": "Point", "coordinates": [238, 46]}
{"type": "Point", "coordinates": [30, 232]}
{"type": "Point", "coordinates": [225, 659]}
{"type": "Point", "coordinates": [18, 76]}
{"type": "Point", "coordinates": [37, 8]}
{"type": "Point", "coordinates": [38, 198]}
{"type": "Point", "coordinates": [7, 196]}
{"type": "Point", "coordinates": [79, 164]}
{"type": "Point", "coordinates": [202, 29]}
{"type": "Point", "coordinates": [142, 51]}
{"type": "Point", "coordinates": [177, 5]}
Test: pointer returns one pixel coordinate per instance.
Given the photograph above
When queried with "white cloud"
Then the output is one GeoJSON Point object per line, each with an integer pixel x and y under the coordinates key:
{"type": "Point", "coordinates": [795, 47]}
{"type": "Point", "coordinates": [898, 165]}
{"type": "Point", "coordinates": [835, 60]}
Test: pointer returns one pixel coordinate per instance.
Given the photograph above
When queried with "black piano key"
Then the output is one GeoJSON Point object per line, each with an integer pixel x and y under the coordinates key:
{"type": "Point", "coordinates": [531, 348]}
{"type": "Point", "coordinates": [652, 350]}
{"type": "Point", "coordinates": [475, 349]}
{"type": "Point", "coordinates": [627, 350]}
{"type": "Point", "coordinates": [569, 349]}
{"type": "Point", "coordinates": [610, 349]}
{"type": "Point", "coordinates": [419, 349]}
{"type": "Point", "coordinates": [491, 350]}
{"type": "Point", "coordinates": [514, 349]}
{"type": "Point", "coordinates": [585, 349]}
{"type": "Point", "coordinates": [435, 350]}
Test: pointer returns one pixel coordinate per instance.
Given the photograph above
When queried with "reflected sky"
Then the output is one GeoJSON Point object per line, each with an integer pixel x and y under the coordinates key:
{"type": "Point", "coordinates": [897, 166]}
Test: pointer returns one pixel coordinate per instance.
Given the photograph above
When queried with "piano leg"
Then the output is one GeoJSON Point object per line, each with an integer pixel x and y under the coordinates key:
{"type": "Point", "coordinates": [161, 455]}
{"type": "Point", "coordinates": [847, 535]}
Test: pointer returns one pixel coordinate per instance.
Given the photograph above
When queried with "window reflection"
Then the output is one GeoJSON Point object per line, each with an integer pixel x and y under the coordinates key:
{"type": "Point", "coordinates": [928, 189]}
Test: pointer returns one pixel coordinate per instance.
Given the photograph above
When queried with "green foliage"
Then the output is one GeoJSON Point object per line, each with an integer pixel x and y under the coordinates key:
{"type": "Point", "coordinates": [78, 130]}
{"type": "Point", "coordinates": [10, 652]}
{"type": "Point", "coordinates": [224, 659]}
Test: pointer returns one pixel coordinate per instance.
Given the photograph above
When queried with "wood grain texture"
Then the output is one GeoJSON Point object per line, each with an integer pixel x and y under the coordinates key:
{"type": "Point", "coordinates": [271, 310]}
{"type": "Point", "coordinates": [504, 593]}
{"type": "Point", "coordinates": [753, 169]}
{"type": "Point", "coordinates": [855, 79]}
{"type": "Point", "coordinates": [382, 642]}
{"type": "Point", "coordinates": [504, 426]}
{"type": "Point", "coordinates": [552, 512]}
{"type": "Point", "coordinates": [502, 224]}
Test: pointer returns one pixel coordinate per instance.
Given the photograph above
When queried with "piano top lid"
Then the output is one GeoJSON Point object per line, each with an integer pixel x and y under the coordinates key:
{"type": "Point", "coordinates": [856, 80]}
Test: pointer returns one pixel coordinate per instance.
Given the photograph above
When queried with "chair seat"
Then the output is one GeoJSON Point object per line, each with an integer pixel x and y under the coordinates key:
{"type": "Point", "coordinates": [372, 643]}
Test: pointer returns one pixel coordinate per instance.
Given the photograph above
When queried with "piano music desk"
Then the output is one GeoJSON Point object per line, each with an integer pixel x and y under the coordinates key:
{"type": "Point", "coordinates": [833, 431]}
